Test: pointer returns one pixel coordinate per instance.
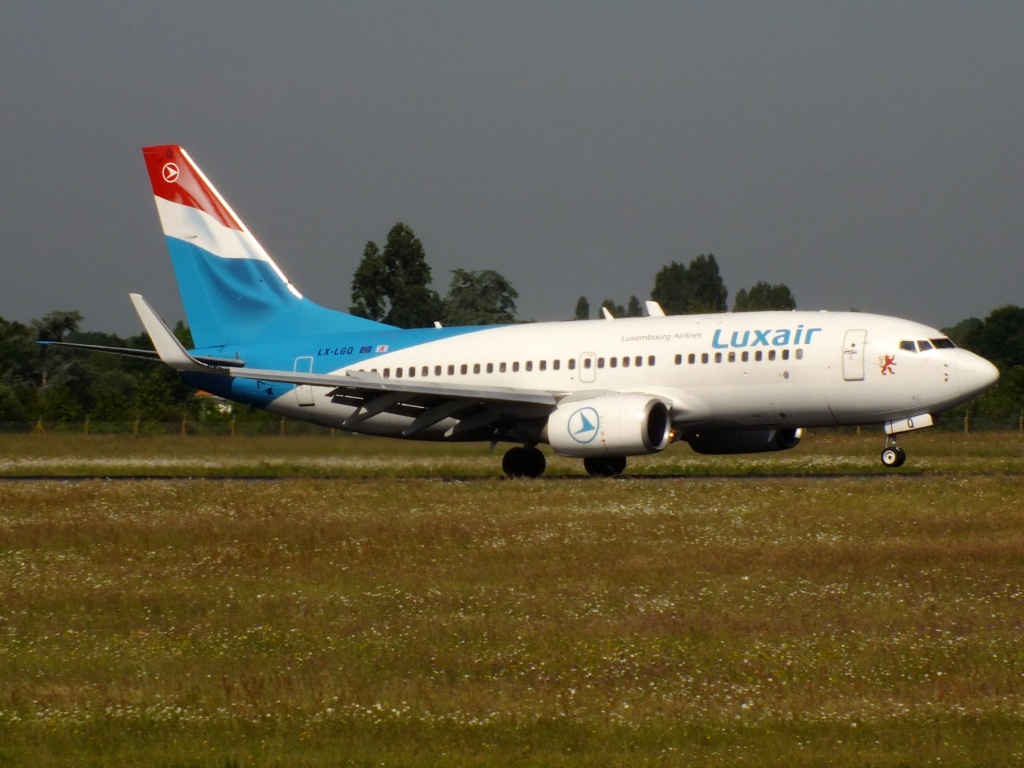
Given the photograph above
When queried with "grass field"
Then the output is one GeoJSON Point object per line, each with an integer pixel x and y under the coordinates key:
{"type": "Point", "coordinates": [366, 613]}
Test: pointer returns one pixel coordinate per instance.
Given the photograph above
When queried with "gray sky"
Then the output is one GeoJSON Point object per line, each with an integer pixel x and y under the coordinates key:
{"type": "Point", "coordinates": [867, 154]}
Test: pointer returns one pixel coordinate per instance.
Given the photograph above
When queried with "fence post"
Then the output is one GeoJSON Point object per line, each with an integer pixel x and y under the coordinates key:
{"type": "Point", "coordinates": [282, 427]}
{"type": "Point", "coordinates": [87, 424]}
{"type": "Point", "coordinates": [135, 427]}
{"type": "Point", "coordinates": [39, 429]}
{"type": "Point", "coordinates": [184, 431]}
{"type": "Point", "coordinates": [232, 428]}
{"type": "Point", "coordinates": [967, 422]}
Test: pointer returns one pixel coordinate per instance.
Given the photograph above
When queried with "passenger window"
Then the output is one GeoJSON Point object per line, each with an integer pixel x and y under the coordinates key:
{"type": "Point", "coordinates": [613, 362]}
{"type": "Point", "coordinates": [529, 365]}
{"type": "Point", "coordinates": [501, 367]}
{"type": "Point", "coordinates": [771, 354]}
{"type": "Point", "coordinates": [451, 370]}
{"type": "Point", "coordinates": [476, 367]}
{"type": "Point", "coordinates": [704, 357]}
{"type": "Point", "coordinates": [785, 354]}
{"type": "Point", "coordinates": [732, 357]}
{"type": "Point", "coordinates": [757, 356]}
{"type": "Point", "coordinates": [639, 361]}
{"type": "Point", "coordinates": [572, 364]}
{"type": "Point", "coordinates": [515, 367]}
{"type": "Point", "coordinates": [600, 362]}
{"type": "Point", "coordinates": [412, 371]}
{"type": "Point", "coordinates": [556, 365]}
{"type": "Point", "coordinates": [650, 359]}
{"type": "Point", "coordinates": [398, 373]}
{"type": "Point", "coordinates": [625, 362]}
{"type": "Point", "coordinates": [543, 365]}
{"type": "Point", "coordinates": [679, 359]}
{"type": "Point", "coordinates": [691, 359]}
{"type": "Point", "coordinates": [426, 370]}
{"type": "Point", "coordinates": [745, 356]}
{"type": "Point", "coordinates": [463, 369]}
{"type": "Point", "coordinates": [718, 357]}
{"type": "Point", "coordinates": [800, 354]}
{"type": "Point", "coordinates": [387, 373]}
{"type": "Point", "coordinates": [587, 362]}
{"type": "Point", "coordinates": [490, 367]}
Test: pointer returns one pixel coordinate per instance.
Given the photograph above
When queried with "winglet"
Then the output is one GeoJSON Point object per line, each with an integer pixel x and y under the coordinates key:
{"type": "Point", "coordinates": [167, 345]}
{"type": "Point", "coordinates": [654, 309]}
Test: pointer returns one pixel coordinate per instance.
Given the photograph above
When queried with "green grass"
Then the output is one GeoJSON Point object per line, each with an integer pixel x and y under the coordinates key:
{"type": "Point", "coordinates": [873, 619]}
{"type": "Point", "coordinates": [346, 455]}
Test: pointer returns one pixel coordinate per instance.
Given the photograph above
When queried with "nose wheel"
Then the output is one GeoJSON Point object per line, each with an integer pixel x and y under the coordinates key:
{"type": "Point", "coordinates": [892, 455]}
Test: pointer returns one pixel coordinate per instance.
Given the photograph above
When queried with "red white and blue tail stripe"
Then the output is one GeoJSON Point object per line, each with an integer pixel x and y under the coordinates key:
{"type": "Point", "coordinates": [232, 290]}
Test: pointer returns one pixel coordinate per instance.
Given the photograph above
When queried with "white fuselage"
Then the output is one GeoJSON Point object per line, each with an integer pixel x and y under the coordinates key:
{"type": "Point", "coordinates": [779, 369]}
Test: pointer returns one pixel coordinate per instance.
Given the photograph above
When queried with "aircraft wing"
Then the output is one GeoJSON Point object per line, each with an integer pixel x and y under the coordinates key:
{"type": "Point", "coordinates": [428, 403]}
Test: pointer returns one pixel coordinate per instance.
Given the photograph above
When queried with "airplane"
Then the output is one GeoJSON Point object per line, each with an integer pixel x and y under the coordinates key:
{"type": "Point", "coordinates": [598, 390]}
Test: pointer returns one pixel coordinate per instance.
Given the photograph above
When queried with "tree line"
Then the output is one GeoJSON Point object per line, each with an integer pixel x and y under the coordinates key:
{"type": "Point", "coordinates": [392, 284]}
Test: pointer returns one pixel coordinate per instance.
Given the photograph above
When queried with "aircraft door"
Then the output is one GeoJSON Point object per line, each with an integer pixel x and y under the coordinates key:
{"type": "Point", "coordinates": [853, 355]}
{"type": "Point", "coordinates": [588, 367]}
{"type": "Point", "coordinates": [304, 392]}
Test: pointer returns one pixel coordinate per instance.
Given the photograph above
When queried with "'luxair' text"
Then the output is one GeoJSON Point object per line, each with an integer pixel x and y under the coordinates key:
{"type": "Point", "coordinates": [768, 337]}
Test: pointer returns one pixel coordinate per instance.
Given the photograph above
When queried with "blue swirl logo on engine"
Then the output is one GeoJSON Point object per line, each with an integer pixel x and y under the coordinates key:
{"type": "Point", "coordinates": [583, 425]}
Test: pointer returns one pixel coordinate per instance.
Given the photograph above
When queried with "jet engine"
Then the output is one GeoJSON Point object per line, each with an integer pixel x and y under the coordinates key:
{"type": "Point", "coordinates": [611, 425]}
{"type": "Point", "coordinates": [746, 440]}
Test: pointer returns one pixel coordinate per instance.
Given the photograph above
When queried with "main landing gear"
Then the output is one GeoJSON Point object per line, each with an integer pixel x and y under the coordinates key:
{"type": "Point", "coordinates": [605, 466]}
{"type": "Point", "coordinates": [528, 461]}
{"type": "Point", "coordinates": [525, 461]}
{"type": "Point", "coordinates": [892, 455]}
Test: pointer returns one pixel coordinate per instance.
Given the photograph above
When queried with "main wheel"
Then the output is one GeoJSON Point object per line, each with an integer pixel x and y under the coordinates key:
{"type": "Point", "coordinates": [605, 466]}
{"type": "Point", "coordinates": [523, 462]}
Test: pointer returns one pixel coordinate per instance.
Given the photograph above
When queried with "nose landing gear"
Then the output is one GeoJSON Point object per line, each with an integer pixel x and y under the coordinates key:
{"type": "Point", "coordinates": [892, 455]}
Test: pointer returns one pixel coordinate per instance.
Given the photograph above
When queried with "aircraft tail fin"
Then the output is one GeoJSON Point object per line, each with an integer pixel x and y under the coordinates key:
{"type": "Point", "coordinates": [232, 290]}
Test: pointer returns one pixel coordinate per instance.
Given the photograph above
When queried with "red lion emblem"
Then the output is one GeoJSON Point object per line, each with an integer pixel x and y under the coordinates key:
{"type": "Point", "coordinates": [886, 363]}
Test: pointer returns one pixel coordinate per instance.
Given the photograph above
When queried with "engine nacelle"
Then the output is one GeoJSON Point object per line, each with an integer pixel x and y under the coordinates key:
{"type": "Point", "coordinates": [612, 425]}
{"type": "Point", "coordinates": [746, 441]}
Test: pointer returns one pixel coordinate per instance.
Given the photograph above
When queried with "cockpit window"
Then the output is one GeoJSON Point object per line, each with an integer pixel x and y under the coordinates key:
{"type": "Point", "coordinates": [943, 343]}
{"type": "Point", "coordinates": [909, 346]}
{"type": "Point", "coordinates": [924, 345]}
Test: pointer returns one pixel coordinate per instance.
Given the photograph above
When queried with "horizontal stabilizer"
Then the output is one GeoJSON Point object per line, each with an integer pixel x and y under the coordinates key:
{"type": "Point", "coordinates": [167, 345]}
{"type": "Point", "coordinates": [144, 354]}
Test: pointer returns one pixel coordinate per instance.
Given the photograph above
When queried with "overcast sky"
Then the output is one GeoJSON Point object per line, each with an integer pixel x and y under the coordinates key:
{"type": "Point", "coordinates": [867, 154]}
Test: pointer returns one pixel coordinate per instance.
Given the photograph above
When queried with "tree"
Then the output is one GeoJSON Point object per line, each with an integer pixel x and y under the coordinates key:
{"type": "Point", "coordinates": [960, 332]}
{"type": "Point", "coordinates": [582, 309]}
{"type": "Point", "coordinates": [763, 296]}
{"type": "Point", "coordinates": [54, 325]}
{"type": "Point", "coordinates": [479, 298]}
{"type": "Point", "coordinates": [369, 286]}
{"type": "Point", "coordinates": [634, 308]}
{"type": "Point", "coordinates": [392, 285]}
{"type": "Point", "coordinates": [1000, 337]}
{"type": "Point", "coordinates": [692, 289]}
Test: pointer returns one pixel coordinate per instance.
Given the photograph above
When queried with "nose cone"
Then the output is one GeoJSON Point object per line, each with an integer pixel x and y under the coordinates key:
{"type": "Point", "coordinates": [975, 374]}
